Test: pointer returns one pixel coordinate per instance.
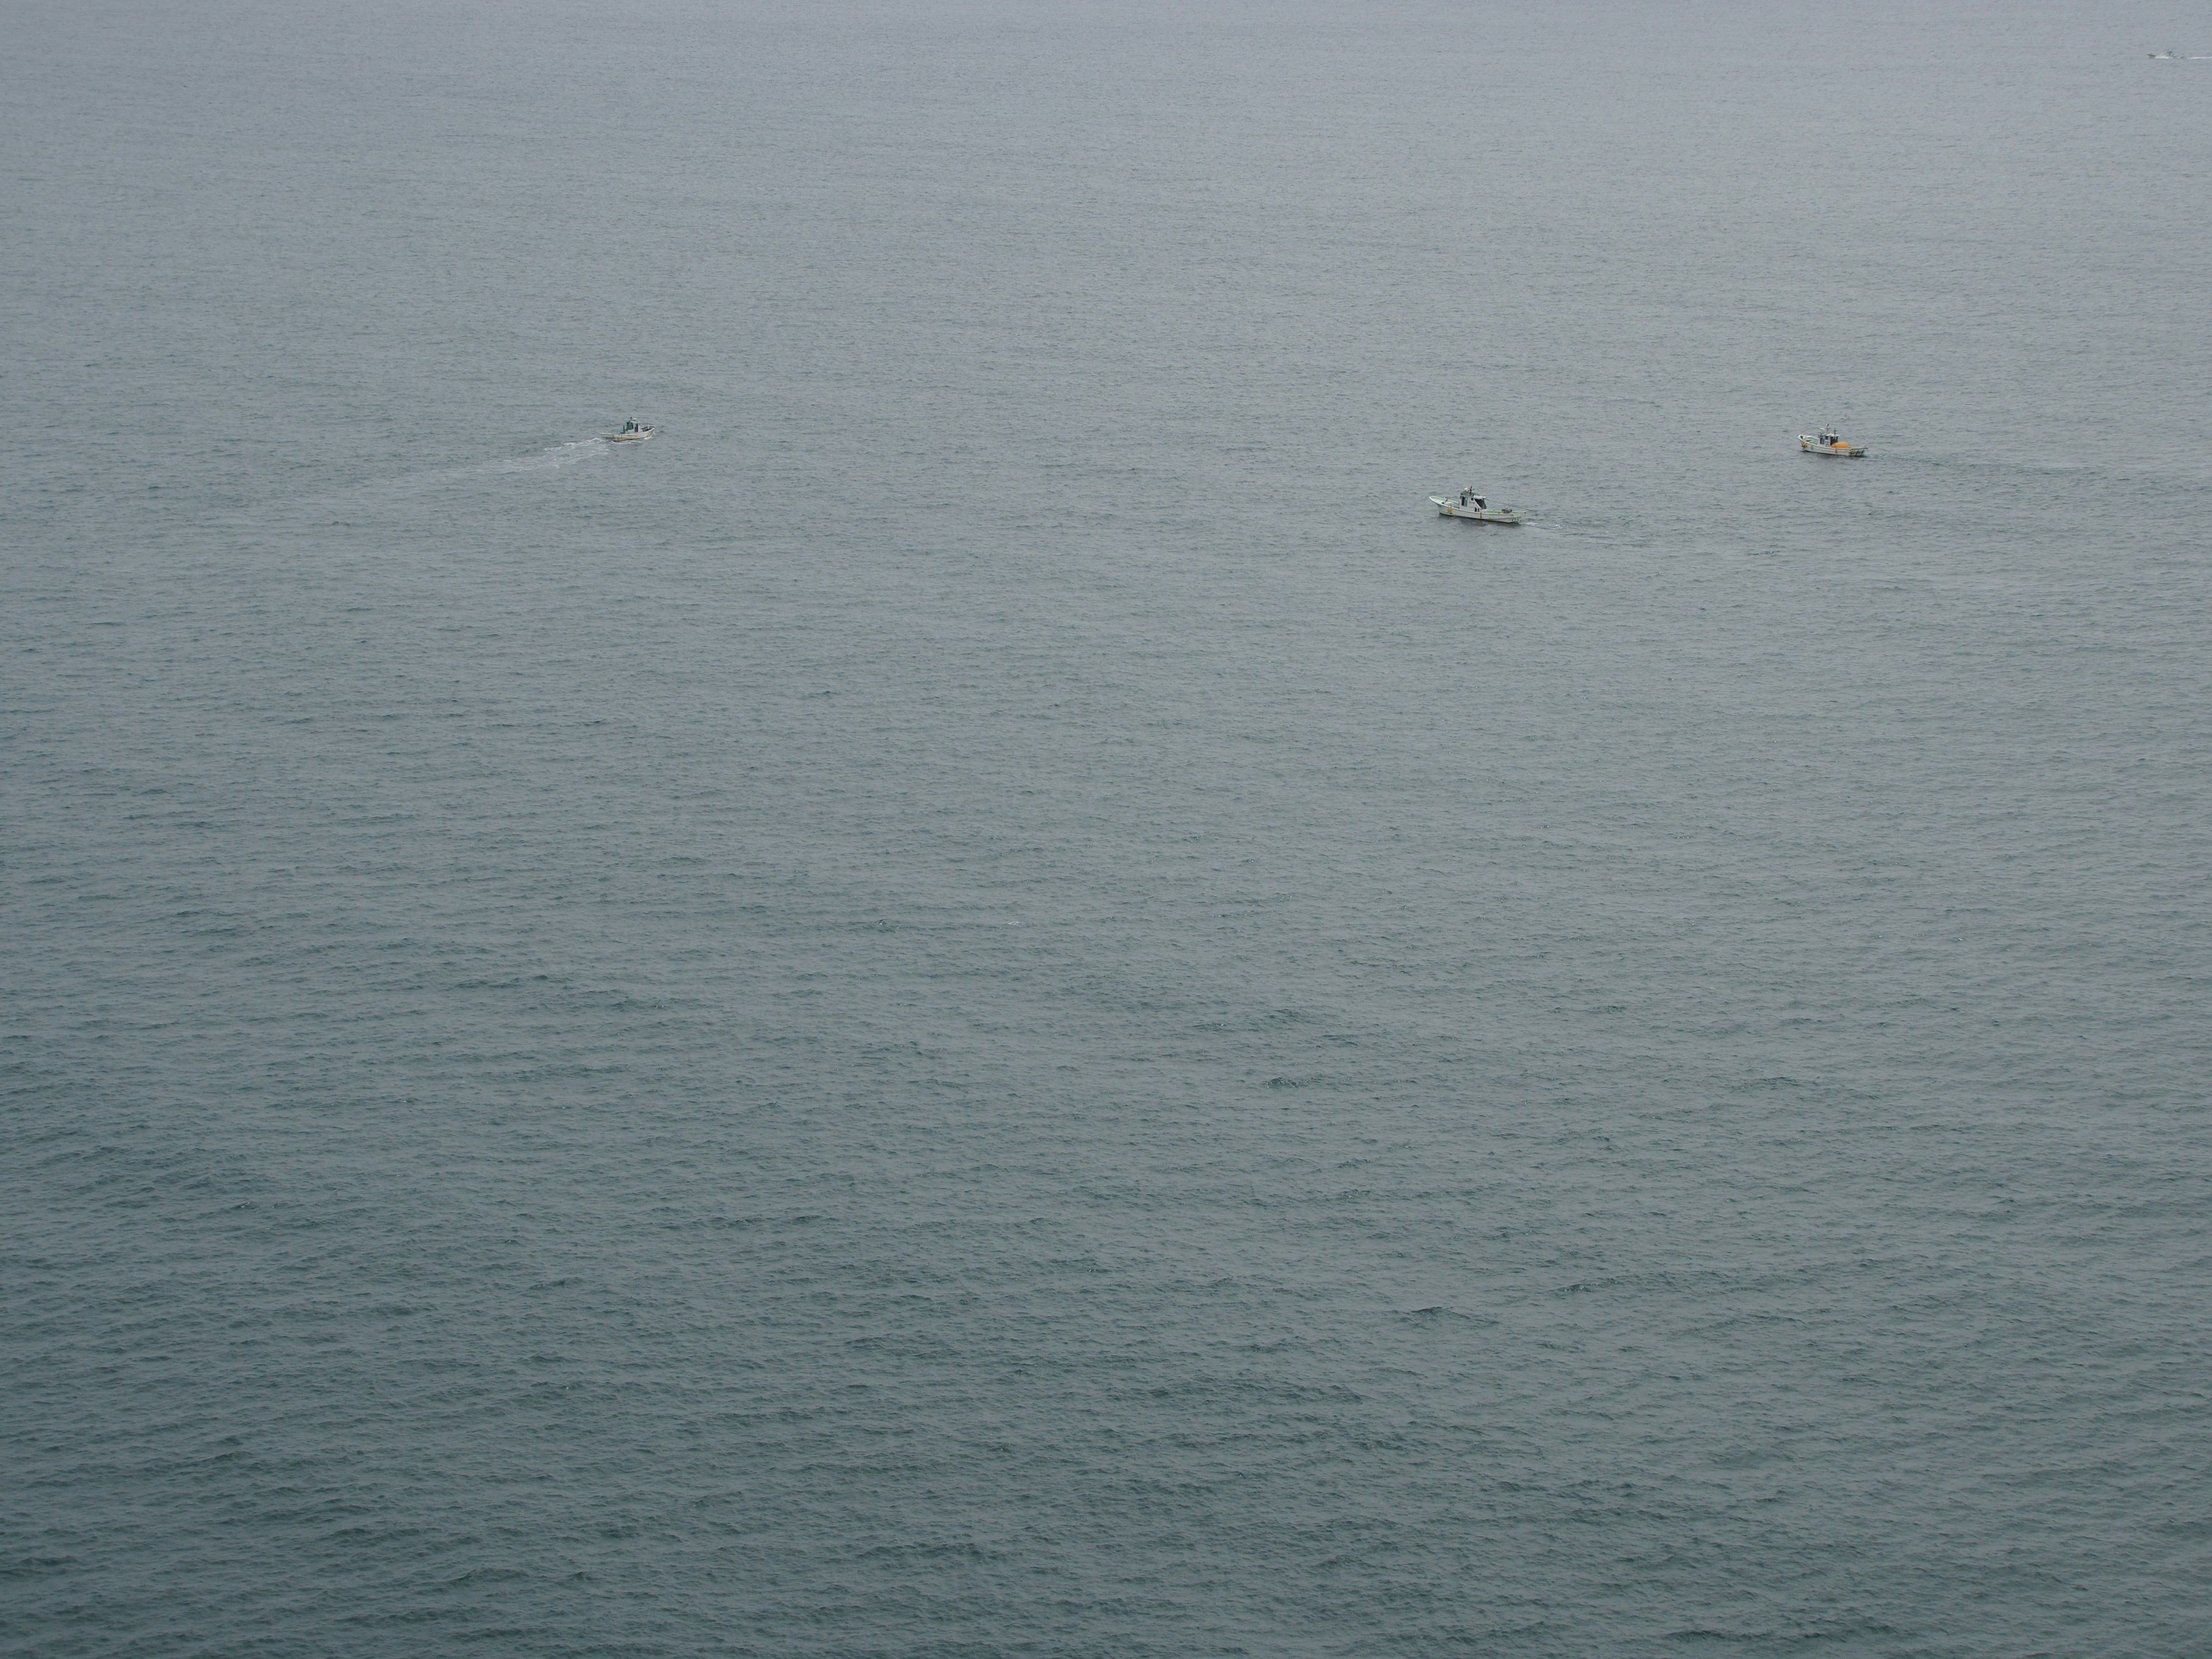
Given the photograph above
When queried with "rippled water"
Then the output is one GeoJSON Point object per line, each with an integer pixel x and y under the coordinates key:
{"type": "Point", "coordinates": [994, 999]}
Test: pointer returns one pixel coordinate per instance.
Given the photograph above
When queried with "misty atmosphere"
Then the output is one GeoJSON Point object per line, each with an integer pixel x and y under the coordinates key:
{"type": "Point", "coordinates": [1042, 828]}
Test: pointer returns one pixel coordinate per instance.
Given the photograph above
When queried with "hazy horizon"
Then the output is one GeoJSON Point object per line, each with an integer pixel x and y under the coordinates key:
{"type": "Point", "coordinates": [994, 997]}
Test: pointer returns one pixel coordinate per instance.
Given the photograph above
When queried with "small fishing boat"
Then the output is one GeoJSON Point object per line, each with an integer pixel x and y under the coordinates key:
{"type": "Point", "coordinates": [632, 432]}
{"type": "Point", "coordinates": [1828, 444]}
{"type": "Point", "coordinates": [1469, 505]}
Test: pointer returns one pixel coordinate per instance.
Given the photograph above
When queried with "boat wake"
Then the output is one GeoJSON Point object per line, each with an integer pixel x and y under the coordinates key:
{"type": "Point", "coordinates": [553, 459]}
{"type": "Point", "coordinates": [372, 494]}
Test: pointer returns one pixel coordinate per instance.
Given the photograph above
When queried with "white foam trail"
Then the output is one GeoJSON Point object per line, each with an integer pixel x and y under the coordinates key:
{"type": "Point", "coordinates": [548, 459]}
{"type": "Point", "coordinates": [558, 455]}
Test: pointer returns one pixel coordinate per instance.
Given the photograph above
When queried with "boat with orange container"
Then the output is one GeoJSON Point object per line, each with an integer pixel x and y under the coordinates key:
{"type": "Point", "coordinates": [1828, 443]}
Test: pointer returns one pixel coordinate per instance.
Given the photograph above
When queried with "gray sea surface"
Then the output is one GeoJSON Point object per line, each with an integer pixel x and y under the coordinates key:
{"type": "Point", "coordinates": [995, 1000]}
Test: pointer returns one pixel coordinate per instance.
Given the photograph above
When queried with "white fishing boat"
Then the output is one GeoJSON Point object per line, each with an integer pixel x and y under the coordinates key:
{"type": "Point", "coordinates": [1828, 443]}
{"type": "Point", "coordinates": [632, 432]}
{"type": "Point", "coordinates": [1469, 505]}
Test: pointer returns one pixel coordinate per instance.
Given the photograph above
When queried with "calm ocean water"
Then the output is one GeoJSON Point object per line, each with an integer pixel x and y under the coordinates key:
{"type": "Point", "coordinates": [995, 1000]}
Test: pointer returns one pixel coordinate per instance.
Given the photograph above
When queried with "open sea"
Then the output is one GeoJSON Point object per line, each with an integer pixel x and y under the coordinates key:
{"type": "Point", "coordinates": [995, 1000]}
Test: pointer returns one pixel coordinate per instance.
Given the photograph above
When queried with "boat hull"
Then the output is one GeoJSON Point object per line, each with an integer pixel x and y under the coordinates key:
{"type": "Point", "coordinates": [1448, 509]}
{"type": "Point", "coordinates": [629, 437]}
{"type": "Point", "coordinates": [1842, 452]}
